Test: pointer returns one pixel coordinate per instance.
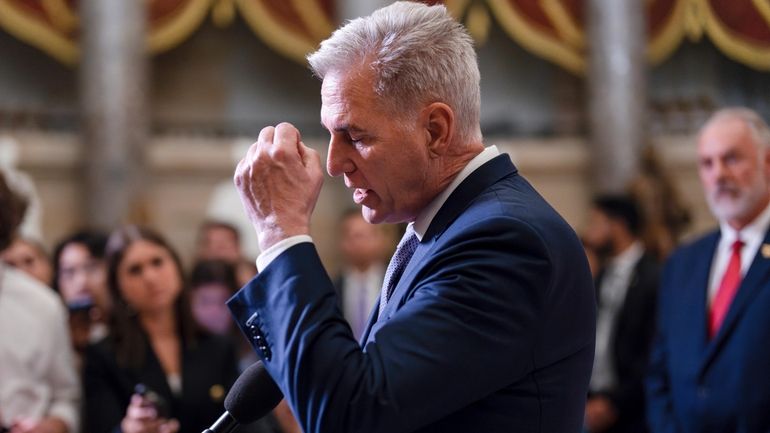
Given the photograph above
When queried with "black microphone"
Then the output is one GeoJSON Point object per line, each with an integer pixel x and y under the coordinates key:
{"type": "Point", "coordinates": [252, 396]}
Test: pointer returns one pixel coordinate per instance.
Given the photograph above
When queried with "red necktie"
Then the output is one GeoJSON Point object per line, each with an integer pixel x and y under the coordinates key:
{"type": "Point", "coordinates": [727, 289]}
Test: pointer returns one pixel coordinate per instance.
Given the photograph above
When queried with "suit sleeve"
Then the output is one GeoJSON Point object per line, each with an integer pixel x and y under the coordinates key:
{"type": "Point", "coordinates": [660, 407]}
{"type": "Point", "coordinates": [467, 330]}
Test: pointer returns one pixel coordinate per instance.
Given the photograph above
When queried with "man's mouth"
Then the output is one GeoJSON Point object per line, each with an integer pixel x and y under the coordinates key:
{"type": "Point", "coordinates": [726, 192]}
{"type": "Point", "coordinates": [359, 195]}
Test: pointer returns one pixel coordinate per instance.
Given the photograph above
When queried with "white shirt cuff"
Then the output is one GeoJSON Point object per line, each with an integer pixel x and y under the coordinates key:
{"type": "Point", "coordinates": [266, 257]}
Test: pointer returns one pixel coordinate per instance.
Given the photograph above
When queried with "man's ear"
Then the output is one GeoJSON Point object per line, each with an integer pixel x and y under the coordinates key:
{"type": "Point", "coordinates": [438, 121]}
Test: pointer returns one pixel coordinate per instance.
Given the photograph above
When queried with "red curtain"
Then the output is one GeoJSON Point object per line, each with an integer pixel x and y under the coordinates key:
{"type": "Point", "coordinates": [552, 29]}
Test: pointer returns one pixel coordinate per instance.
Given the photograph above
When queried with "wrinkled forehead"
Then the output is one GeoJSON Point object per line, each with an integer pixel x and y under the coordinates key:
{"type": "Point", "coordinates": [349, 85]}
{"type": "Point", "coordinates": [725, 135]}
{"type": "Point", "coordinates": [348, 99]}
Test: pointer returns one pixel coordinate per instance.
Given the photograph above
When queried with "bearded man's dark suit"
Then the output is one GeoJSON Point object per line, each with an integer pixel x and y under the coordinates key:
{"type": "Point", "coordinates": [718, 385]}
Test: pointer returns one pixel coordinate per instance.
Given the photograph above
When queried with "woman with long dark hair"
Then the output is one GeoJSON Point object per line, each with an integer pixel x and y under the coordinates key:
{"type": "Point", "coordinates": [155, 372]}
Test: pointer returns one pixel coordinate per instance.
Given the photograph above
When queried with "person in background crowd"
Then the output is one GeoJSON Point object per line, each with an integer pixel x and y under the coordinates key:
{"type": "Point", "coordinates": [218, 240]}
{"type": "Point", "coordinates": [212, 283]}
{"type": "Point", "coordinates": [595, 262]}
{"type": "Point", "coordinates": [80, 277]}
{"type": "Point", "coordinates": [709, 364]}
{"type": "Point", "coordinates": [363, 248]}
{"type": "Point", "coordinates": [626, 293]}
{"type": "Point", "coordinates": [39, 389]}
{"type": "Point", "coordinates": [153, 341]}
{"type": "Point", "coordinates": [30, 257]}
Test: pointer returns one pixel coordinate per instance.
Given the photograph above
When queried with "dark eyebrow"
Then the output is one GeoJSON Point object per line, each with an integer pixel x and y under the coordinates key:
{"type": "Point", "coordinates": [346, 127]}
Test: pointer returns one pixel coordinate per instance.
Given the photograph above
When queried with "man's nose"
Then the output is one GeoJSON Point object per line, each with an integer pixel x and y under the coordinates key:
{"type": "Point", "coordinates": [719, 171]}
{"type": "Point", "coordinates": [337, 161]}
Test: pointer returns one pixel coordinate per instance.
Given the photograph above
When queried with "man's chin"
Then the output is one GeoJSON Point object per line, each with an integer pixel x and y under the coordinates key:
{"type": "Point", "coordinates": [728, 211]}
{"type": "Point", "coordinates": [723, 214]}
{"type": "Point", "coordinates": [370, 215]}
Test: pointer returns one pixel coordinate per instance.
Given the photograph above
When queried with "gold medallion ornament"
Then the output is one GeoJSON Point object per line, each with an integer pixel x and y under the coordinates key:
{"type": "Point", "coordinates": [217, 392]}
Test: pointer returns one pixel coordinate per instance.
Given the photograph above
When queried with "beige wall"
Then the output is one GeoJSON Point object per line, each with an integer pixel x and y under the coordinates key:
{"type": "Point", "coordinates": [183, 172]}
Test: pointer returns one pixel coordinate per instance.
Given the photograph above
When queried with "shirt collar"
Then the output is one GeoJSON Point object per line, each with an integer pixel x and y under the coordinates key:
{"type": "Point", "coordinates": [423, 220]}
{"type": "Point", "coordinates": [376, 270]}
{"type": "Point", "coordinates": [754, 230]}
{"type": "Point", "coordinates": [629, 257]}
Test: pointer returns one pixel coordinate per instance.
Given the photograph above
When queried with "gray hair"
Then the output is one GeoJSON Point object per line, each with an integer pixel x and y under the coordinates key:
{"type": "Point", "coordinates": [418, 53]}
{"type": "Point", "coordinates": [751, 118]}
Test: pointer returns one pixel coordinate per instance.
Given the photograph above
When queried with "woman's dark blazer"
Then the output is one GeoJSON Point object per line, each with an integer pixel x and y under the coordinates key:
{"type": "Point", "coordinates": [208, 370]}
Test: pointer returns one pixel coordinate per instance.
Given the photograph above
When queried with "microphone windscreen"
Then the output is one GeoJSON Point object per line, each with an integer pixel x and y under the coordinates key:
{"type": "Point", "coordinates": [253, 395]}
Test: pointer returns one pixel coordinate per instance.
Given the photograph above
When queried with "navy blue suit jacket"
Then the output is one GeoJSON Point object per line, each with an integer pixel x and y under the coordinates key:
{"type": "Point", "coordinates": [697, 385]}
{"type": "Point", "coordinates": [489, 330]}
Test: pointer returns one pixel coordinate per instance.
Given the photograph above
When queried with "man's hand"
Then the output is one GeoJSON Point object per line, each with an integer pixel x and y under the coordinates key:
{"type": "Point", "coordinates": [142, 417]}
{"type": "Point", "coordinates": [278, 181]}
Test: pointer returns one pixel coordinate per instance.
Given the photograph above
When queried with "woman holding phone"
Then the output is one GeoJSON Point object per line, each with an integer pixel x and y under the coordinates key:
{"type": "Point", "coordinates": [184, 374]}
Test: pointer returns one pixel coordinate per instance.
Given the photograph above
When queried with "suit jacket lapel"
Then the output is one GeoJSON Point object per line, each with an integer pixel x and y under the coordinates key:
{"type": "Point", "coordinates": [755, 280]}
{"type": "Point", "coordinates": [153, 376]}
{"type": "Point", "coordinates": [694, 317]}
{"type": "Point", "coordinates": [470, 188]}
{"type": "Point", "coordinates": [369, 323]}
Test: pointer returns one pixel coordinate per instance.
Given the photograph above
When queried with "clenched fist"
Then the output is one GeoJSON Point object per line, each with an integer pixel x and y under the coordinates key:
{"type": "Point", "coordinates": [278, 181]}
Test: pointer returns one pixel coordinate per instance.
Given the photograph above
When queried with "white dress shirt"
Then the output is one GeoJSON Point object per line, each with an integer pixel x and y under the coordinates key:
{"type": "Point", "coordinates": [37, 366]}
{"type": "Point", "coordinates": [752, 236]}
{"type": "Point", "coordinates": [359, 293]}
{"type": "Point", "coordinates": [421, 223]}
{"type": "Point", "coordinates": [612, 294]}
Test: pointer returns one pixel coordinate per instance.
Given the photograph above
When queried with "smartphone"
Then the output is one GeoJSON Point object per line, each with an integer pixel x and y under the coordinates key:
{"type": "Point", "coordinates": [157, 400]}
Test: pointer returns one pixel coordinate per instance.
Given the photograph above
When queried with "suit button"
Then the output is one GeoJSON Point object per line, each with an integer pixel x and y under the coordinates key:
{"type": "Point", "coordinates": [251, 320]}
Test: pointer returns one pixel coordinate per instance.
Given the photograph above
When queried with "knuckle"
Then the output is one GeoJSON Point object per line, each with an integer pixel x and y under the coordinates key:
{"type": "Point", "coordinates": [265, 136]}
{"type": "Point", "coordinates": [278, 153]}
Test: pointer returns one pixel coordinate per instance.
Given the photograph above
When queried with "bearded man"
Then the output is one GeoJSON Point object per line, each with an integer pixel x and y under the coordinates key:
{"type": "Point", "coordinates": [709, 362]}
